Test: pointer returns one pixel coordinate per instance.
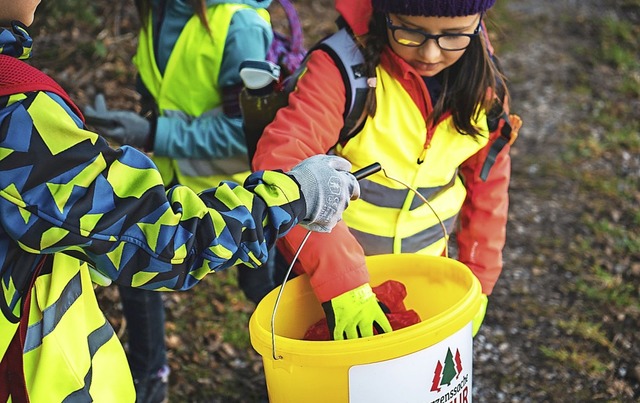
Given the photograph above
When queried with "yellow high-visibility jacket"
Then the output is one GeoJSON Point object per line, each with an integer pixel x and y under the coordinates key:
{"type": "Point", "coordinates": [189, 88]}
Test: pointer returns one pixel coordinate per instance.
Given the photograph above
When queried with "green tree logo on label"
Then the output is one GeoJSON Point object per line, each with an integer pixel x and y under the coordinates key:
{"type": "Point", "coordinates": [443, 375]}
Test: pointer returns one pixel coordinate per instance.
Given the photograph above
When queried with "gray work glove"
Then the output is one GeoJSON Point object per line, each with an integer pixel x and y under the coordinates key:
{"type": "Point", "coordinates": [327, 186]}
{"type": "Point", "coordinates": [123, 127]}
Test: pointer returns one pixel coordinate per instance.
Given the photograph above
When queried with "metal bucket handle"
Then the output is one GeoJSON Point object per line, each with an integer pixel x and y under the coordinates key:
{"type": "Point", "coordinates": [360, 174]}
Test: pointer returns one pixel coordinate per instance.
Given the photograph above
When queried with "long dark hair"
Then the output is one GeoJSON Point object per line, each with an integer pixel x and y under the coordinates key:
{"type": "Point", "coordinates": [199, 8]}
{"type": "Point", "coordinates": [466, 83]}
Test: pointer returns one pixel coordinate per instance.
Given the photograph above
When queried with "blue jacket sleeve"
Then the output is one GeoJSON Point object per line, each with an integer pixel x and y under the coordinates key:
{"type": "Point", "coordinates": [215, 135]}
{"type": "Point", "coordinates": [64, 190]}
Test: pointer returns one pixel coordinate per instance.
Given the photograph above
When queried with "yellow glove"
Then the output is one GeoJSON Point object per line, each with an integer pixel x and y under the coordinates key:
{"type": "Point", "coordinates": [355, 313]}
{"type": "Point", "coordinates": [477, 320]}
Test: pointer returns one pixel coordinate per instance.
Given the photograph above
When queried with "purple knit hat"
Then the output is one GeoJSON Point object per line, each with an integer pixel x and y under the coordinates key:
{"type": "Point", "coordinates": [433, 8]}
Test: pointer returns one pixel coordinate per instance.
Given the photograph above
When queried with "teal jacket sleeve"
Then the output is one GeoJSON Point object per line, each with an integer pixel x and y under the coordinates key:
{"type": "Point", "coordinates": [214, 134]}
{"type": "Point", "coordinates": [63, 189]}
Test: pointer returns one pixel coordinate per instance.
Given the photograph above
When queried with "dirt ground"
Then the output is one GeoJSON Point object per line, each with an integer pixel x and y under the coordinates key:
{"type": "Point", "coordinates": [547, 336]}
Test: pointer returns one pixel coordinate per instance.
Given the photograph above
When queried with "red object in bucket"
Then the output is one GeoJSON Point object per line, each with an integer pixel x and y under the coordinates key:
{"type": "Point", "coordinates": [392, 294]}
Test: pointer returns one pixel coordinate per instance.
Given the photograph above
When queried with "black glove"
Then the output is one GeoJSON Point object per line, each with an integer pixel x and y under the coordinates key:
{"type": "Point", "coordinates": [123, 127]}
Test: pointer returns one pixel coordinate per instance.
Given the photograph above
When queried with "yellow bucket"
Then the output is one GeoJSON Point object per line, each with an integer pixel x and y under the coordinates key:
{"type": "Point", "coordinates": [429, 361]}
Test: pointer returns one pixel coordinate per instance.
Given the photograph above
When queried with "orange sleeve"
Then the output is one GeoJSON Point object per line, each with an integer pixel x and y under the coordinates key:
{"type": "Point", "coordinates": [483, 217]}
{"type": "Point", "coordinates": [334, 261]}
{"type": "Point", "coordinates": [310, 125]}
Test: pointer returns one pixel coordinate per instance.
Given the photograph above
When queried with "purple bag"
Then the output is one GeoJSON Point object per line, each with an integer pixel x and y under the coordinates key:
{"type": "Point", "coordinates": [288, 52]}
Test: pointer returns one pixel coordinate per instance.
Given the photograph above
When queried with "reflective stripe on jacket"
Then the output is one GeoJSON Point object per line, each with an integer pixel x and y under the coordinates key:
{"type": "Point", "coordinates": [71, 352]}
{"type": "Point", "coordinates": [189, 88]}
{"type": "Point", "coordinates": [388, 217]}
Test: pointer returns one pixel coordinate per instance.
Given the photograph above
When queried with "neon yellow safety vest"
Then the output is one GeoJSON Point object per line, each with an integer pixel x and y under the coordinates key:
{"type": "Point", "coordinates": [71, 352]}
{"type": "Point", "coordinates": [190, 86]}
{"type": "Point", "coordinates": [389, 218]}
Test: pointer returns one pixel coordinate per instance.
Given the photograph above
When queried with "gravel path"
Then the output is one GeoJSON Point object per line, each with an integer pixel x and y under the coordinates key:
{"type": "Point", "coordinates": [508, 363]}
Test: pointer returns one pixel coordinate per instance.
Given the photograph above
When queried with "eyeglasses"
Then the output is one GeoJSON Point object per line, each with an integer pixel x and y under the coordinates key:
{"type": "Point", "coordinates": [415, 37]}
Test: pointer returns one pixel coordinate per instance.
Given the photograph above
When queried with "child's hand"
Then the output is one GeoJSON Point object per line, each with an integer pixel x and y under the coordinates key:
{"type": "Point", "coordinates": [355, 313]}
{"type": "Point", "coordinates": [123, 127]}
{"type": "Point", "coordinates": [327, 186]}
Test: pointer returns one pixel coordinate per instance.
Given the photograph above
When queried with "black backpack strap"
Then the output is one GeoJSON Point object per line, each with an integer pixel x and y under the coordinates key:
{"type": "Point", "coordinates": [348, 57]}
{"type": "Point", "coordinates": [508, 135]}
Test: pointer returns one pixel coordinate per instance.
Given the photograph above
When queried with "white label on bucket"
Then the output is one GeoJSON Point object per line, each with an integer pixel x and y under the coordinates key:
{"type": "Point", "coordinates": [438, 374]}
